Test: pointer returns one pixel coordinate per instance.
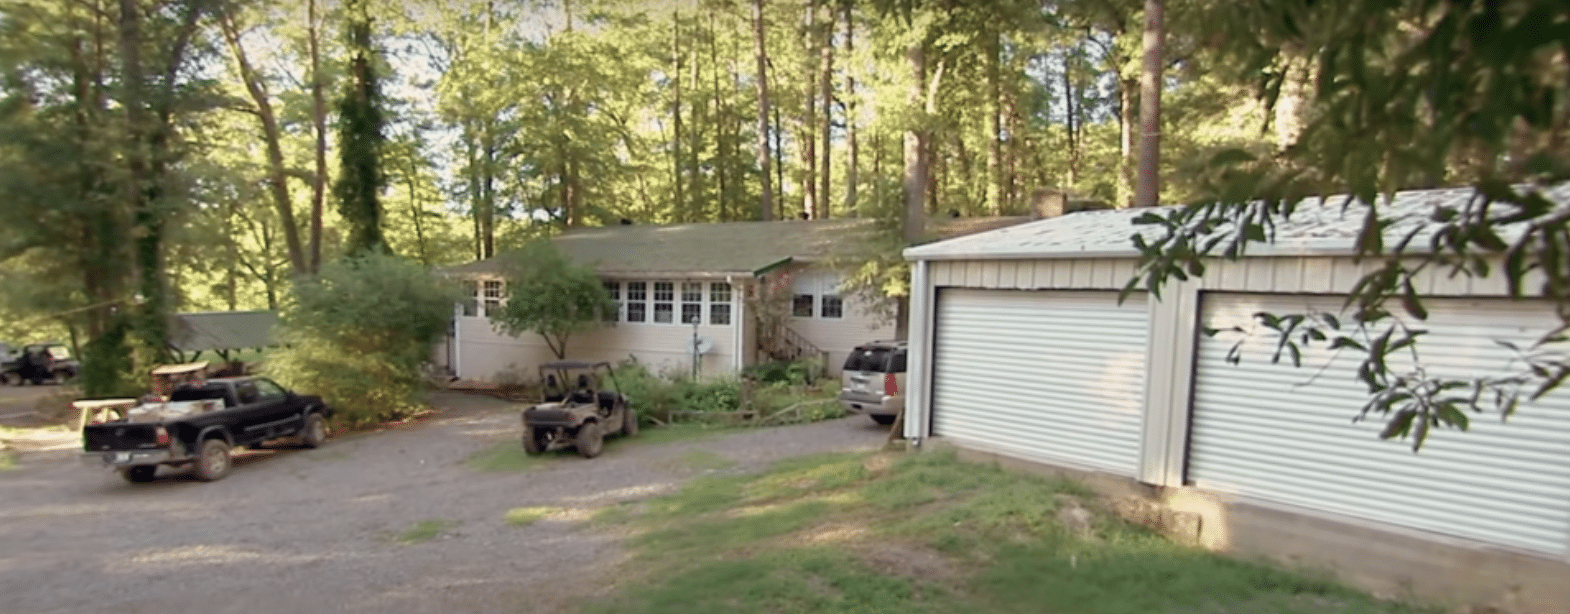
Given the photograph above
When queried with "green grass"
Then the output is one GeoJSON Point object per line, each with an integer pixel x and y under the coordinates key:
{"type": "Point", "coordinates": [852, 533]}
{"type": "Point", "coordinates": [423, 531]}
{"type": "Point", "coordinates": [7, 460]}
{"type": "Point", "coordinates": [525, 516]}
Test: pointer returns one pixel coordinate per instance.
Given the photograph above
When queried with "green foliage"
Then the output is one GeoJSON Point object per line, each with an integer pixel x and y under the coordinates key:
{"type": "Point", "coordinates": [525, 516]}
{"type": "Point", "coordinates": [358, 333]}
{"type": "Point", "coordinates": [550, 296]}
{"type": "Point", "coordinates": [360, 139]}
{"type": "Point", "coordinates": [1473, 95]}
{"type": "Point", "coordinates": [819, 533]}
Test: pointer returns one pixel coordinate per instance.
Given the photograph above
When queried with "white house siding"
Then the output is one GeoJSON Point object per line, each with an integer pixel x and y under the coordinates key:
{"type": "Point", "coordinates": [859, 321]}
{"type": "Point", "coordinates": [1274, 433]}
{"type": "Point", "coordinates": [493, 356]}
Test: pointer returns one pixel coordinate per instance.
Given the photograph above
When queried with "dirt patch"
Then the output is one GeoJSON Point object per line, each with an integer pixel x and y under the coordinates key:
{"type": "Point", "coordinates": [907, 560]}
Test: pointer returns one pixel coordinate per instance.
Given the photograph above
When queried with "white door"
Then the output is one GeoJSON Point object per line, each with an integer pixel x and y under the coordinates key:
{"type": "Point", "coordinates": [1054, 377]}
{"type": "Point", "coordinates": [1277, 434]}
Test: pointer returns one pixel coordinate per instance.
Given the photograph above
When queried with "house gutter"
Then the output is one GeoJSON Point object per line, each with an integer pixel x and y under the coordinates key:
{"type": "Point", "coordinates": [773, 265]}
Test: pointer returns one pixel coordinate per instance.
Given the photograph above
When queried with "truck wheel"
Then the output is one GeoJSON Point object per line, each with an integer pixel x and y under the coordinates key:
{"type": "Point", "coordinates": [212, 462]}
{"type": "Point", "coordinates": [314, 434]}
{"type": "Point", "coordinates": [533, 441]}
{"type": "Point", "coordinates": [140, 474]}
{"type": "Point", "coordinates": [629, 422]}
{"type": "Point", "coordinates": [10, 379]}
{"type": "Point", "coordinates": [590, 440]}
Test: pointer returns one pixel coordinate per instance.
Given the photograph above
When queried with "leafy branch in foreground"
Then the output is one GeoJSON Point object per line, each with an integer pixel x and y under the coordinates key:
{"type": "Point", "coordinates": [1408, 94]}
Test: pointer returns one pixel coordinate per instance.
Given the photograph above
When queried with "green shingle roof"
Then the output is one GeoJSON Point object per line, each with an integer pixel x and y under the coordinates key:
{"type": "Point", "coordinates": [722, 248]}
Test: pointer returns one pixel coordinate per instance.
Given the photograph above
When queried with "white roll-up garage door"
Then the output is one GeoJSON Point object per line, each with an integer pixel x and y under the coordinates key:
{"type": "Point", "coordinates": [1274, 433]}
{"type": "Point", "coordinates": [1054, 377]}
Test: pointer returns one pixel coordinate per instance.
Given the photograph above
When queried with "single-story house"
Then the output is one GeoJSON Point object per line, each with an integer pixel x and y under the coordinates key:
{"type": "Point", "coordinates": [750, 292]}
{"type": "Point", "coordinates": [1021, 352]}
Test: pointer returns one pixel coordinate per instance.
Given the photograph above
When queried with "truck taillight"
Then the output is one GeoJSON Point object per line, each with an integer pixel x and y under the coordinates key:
{"type": "Point", "coordinates": [163, 435]}
{"type": "Point", "coordinates": [890, 385]}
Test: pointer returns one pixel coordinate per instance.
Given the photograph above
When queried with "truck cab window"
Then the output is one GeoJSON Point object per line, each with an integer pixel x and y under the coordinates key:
{"type": "Point", "coordinates": [246, 392]}
{"type": "Point", "coordinates": [268, 389]}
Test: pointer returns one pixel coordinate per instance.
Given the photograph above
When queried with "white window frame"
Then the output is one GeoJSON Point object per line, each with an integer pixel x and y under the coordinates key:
{"type": "Point", "coordinates": [720, 294]}
{"type": "Point", "coordinates": [655, 302]}
{"type": "Point", "coordinates": [493, 292]}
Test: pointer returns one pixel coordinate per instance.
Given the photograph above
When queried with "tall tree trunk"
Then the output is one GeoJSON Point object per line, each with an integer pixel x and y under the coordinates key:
{"type": "Point", "coordinates": [826, 88]}
{"type": "Point", "coordinates": [994, 123]}
{"type": "Point", "coordinates": [319, 126]}
{"type": "Point", "coordinates": [679, 203]}
{"type": "Point", "coordinates": [277, 176]}
{"type": "Point", "coordinates": [1071, 107]}
{"type": "Point", "coordinates": [779, 162]}
{"type": "Point", "coordinates": [809, 121]}
{"type": "Point", "coordinates": [914, 224]}
{"type": "Point", "coordinates": [415, 211]}
{"type": "Point", "coordinates": [722, 156]}
{"type": "Point", "coordinates": [766, 198]}
{"type": "Point", "coordinates": [1147, 193]}
{"type": "Point", "coordinates": [852, 171]}
{"type": "Point", "coordinates": [360, 129]}
{"type": "Point", "coordinates": [697, 194]}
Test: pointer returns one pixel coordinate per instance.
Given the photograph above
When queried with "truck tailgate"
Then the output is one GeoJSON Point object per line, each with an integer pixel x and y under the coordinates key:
{"type": "Point", "coordinates": [132, 436]}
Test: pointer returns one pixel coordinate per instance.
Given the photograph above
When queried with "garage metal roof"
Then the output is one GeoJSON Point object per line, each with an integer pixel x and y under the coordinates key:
{"type": "Point", "coordinates": [1319, 226]}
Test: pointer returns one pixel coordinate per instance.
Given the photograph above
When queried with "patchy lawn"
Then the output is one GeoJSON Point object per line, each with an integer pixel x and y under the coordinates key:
{"type": "Point", "coordinates": [423, 531]}
{"type": "Point", "coordinates": [927, 533]}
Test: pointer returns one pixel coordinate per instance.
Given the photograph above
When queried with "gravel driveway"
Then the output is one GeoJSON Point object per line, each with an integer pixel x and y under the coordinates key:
{"type": "Point", "coordinates": [314, 530]}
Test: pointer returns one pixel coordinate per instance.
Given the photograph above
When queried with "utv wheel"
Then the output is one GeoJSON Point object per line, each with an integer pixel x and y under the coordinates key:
{"type": "Point", "coordinates": [314, 434]}
{"type": "Point", "coordinates": [533, 441]}
{"type": "Point", "coordinates": [882, 419]}
{"type": "Point", "coordinates": [140, 474]}
{"type": "Point", "coordinates": [590, 440]}
{"type": "Point", "coordinates": [213, 462]}
{"type": "Point", "coordinates": [629, 422]}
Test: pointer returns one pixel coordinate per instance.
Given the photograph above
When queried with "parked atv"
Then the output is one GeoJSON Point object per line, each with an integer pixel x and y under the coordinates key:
{"type": "Point", "coordinates": [581, 415]}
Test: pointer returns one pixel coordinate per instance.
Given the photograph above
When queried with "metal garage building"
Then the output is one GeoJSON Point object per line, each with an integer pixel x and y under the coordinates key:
{"type": "Point", "coordinates": [1020, 349]}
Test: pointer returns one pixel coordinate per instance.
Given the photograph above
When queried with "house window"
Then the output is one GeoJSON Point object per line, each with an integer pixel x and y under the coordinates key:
{"type": "Point", "coordinates": [719, 303]}
{"type": "Point", "coordinates": [470, 305]}
{"type": "Point", "coordinates": [493, 296]}
{"type": "Point", "coordinates": [691, 302]}
{"type": "Point", "coordinates": [833, 307]}
{"type": "Point", "coordinates": [637, 307]}
{"type": "Point", "coordinates": [613, 290]}
{"type": "Point", "coordinates": [801, 305]}
{"type": "Point", "coordinates": [664, 305]}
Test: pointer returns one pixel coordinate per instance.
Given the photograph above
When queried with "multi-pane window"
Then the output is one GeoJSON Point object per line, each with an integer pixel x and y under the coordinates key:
{"type": "Point", "coordinates": [613, 290]}
{"type": "Point", "coordinates": [833, 307]}
{"type": "Point", "coordinates": [801, 305]}
{"type": "Point", "coordinates": [637, 295]}
{"type": "Point", "coordinates": [470, 305]}
{"type": "Point", "coordinates": [664, 302]}
{"type": "Point", "coordinates": [691, 302]}
{"type": "Point", "coordinates": [493, 295]}
{"type": "Point", "coordinates": [719, 303]}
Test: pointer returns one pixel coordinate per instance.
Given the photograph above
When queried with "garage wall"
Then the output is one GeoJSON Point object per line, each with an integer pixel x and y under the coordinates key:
{"type": "Point", "coordinates": [1052, 376]}
{"type": "Point", "coordinates": [1273, 433]}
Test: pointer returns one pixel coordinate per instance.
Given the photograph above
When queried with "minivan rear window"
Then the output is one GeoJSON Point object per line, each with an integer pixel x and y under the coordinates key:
{"type": "Point", "coordinates": [868, 359]}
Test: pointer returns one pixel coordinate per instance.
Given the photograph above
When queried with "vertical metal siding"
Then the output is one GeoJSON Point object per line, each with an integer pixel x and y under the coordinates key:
{"type": "Point", "coordinates": [1275, 433]}
{"type": "Point", "coordinates": [1050, 376]}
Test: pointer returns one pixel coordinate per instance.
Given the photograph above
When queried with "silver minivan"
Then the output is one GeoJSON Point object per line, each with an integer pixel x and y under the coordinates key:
{"type": "Point", "coordinates": [873, 380]}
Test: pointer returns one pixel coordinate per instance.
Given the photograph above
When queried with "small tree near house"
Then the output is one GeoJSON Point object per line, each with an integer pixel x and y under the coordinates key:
{"type": "Point", "coordinates": [550, 296]}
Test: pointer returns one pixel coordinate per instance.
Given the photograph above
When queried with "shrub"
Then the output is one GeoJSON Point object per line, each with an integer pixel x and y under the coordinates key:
{"type": "Point", "coordinates": [358, 333]}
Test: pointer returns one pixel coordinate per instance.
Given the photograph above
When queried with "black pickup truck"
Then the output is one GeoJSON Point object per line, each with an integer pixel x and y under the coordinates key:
{"type": "Point", "coordinates": [198, 425]}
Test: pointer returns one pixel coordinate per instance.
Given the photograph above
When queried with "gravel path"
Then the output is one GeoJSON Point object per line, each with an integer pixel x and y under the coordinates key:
{"type": "Point", "coordinates": [314, 530]}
